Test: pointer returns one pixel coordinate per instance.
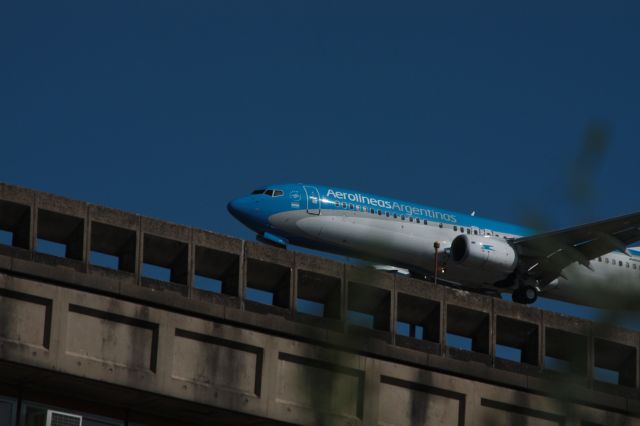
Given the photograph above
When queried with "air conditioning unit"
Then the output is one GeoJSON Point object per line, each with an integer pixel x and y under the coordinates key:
{"type": "Point", "coordinates": [58, 418]}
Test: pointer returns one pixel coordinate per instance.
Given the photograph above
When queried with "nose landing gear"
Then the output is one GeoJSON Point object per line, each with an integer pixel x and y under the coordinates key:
{"type": "Point", "coordinates": [526, 295]}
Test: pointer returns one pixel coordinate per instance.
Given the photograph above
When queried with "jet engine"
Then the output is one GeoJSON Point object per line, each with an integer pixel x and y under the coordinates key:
{"type": "Point", "coordinates": [487, 254]}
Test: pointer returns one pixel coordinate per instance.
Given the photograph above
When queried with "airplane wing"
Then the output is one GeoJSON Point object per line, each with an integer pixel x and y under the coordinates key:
{"type": "Point", "coordinates": [545, 255]}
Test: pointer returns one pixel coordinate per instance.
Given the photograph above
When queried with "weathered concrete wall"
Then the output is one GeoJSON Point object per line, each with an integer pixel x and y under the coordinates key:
{"type": "Point", "coordinates": [208, 362]}
{"type": "Point", "coordinates": [115, 327]}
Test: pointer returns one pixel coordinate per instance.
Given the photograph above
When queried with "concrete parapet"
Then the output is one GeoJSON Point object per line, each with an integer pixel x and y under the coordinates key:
{"type": "Point", "coordinates": [225, 348]}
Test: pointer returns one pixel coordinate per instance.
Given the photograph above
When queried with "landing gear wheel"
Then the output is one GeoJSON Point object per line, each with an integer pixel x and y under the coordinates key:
{"type": "Point", "coordinates": [525, 295]}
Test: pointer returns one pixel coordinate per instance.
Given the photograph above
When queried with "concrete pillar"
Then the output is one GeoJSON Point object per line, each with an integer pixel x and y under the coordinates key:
{"type": "Point", "coordinates": [140, 251]}
{"type": "Point", "coordinates": [242, 275]}
{"type": "Point", "coordinates": [344, 294]}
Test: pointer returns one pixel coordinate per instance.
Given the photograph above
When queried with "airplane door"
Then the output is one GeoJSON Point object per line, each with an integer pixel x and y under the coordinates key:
{"type": "Point", "coordinates": [313, 199]}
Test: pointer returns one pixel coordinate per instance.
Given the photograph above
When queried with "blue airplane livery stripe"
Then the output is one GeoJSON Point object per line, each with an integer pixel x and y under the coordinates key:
{"type": "Point", "coordinates": [295, 198]}
{"type": "Point", "coordinates": [331, 194]}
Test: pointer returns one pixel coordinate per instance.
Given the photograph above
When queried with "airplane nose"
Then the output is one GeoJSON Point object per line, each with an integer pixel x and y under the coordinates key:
{"type": "Point", "coordinates": [249, 211]}
{"type": "Point", "coordinates": [236, 208]}
{"type": "Point", "coordinates": [245, 210]}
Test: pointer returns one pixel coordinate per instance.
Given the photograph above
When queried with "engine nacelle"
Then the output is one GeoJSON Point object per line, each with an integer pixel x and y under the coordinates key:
{"type": "Point", "coordinates": [484, 253]}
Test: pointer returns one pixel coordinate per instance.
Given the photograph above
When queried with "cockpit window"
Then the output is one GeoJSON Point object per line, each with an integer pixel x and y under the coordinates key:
{"type": "Point", "coordinates": [269, 192]}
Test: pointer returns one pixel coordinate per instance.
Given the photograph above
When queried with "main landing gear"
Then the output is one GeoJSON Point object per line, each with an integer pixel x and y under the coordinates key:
{"type": "Point", "coordinates": [526, 295]}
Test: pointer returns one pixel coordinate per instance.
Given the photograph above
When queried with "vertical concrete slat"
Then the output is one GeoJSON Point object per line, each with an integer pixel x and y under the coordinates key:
{"type": "Point", "coordinates": [140, 251]}
{"type": "Point", "coordinates": [269, 380]}
{"type": "Point", "coordinates": [492, 330]}
{"type": "Point", "coordinates": [443, 327]}
{"type": "Point", "coordinates": [590, 355]}
{"type": "Point", "coordinates": [472, 408]}
{"type": "Point", "coordinates": [445, 323]}
{"type": "Point", "coordinates": [442, 331]}
{"type": "Point", "coordinates": [344, 294]}
{"type": "Point", "coordinates": [165, 350]}
{"type": "Point", "coordinates": [191, 264]}
{"type": "Point", "coordinates": [59, 320]}
{"type": "Point", "coordinates": [393, 311]}
{"type": "Point", "coordinates": [637, 363]}
{"type": "Point", "coordinates": [242, 277]}
{"type": "Point", "coordinates": [87, 236]}
{"type": "Point", "coordinates": [293, 299]}
{"type": "Point", "coordinates": [493, 338]}
{"type": "Point", "coordinates": [371, 392]}
{"type": "Point", "coordinates": [541, 342]}
{"type": "Point", "coordinates": [34, 223]}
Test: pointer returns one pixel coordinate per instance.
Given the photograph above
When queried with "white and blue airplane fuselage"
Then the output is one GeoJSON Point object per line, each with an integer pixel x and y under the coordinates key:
{"type": "Point", "coordinates": [589, 264]}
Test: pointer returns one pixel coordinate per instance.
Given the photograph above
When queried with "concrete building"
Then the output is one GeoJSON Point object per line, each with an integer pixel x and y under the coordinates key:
{"type": "Point", "coordinates": [87, 336]}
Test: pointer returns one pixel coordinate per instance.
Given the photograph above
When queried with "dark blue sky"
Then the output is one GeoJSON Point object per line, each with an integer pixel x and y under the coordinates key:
{"type": "Point", "coordinates": [170, 109]}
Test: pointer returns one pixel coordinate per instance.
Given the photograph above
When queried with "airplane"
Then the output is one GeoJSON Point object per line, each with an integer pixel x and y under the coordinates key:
{"type": "Point", "coordinates": [590, 264]}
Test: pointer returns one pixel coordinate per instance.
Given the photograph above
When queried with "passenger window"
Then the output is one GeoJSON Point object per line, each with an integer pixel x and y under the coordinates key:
{"type": "Point", "coordinates": [600, 259]}
{"type": "Point", "coordinates": [634, 266]}
{"type": "Point", "coordinates": [379, 212]}
{"type": "Point", "coordinates": [455, 228]}
{"type": "Point", "coordinates": [337, 203]}
{"type": "Point", "coordinates": [462, 229]}
{"type": "Point", "coordinates": [395, 215]}
{"type": "Point", "coordinates": [387, 214]}
{"type": "Point", "coordinates": [278, 193]}
{"type": "Point", "coordinates": [344, 205]}
{"type": "Point", "coordinates": [468, 231]}
{"type": "Point", "coordinates": [620, 263]}
{"type": "Point", "coordinates": [357, 207]}
{"type": "Point", "coordinates": [410, 219]}
{"type": "Point", "coordinates": [373, 211]}
{"type": "Point", "coordinates": [351, 206]}
{"type": "Point", "coordinates": [475, 231]}
{"type": "Point", "coordinates": [417, 220]}
{"type": "Point", "coordinates": [627, 264]}
{"type": "Point", "coordinates": [425, 222]}
{"type": "Point", "coordinates": [440, 225]}
{"type": "Point", "coordinates": [402, 217]}
{"type": "Point", "coordinates": [606, 260]}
